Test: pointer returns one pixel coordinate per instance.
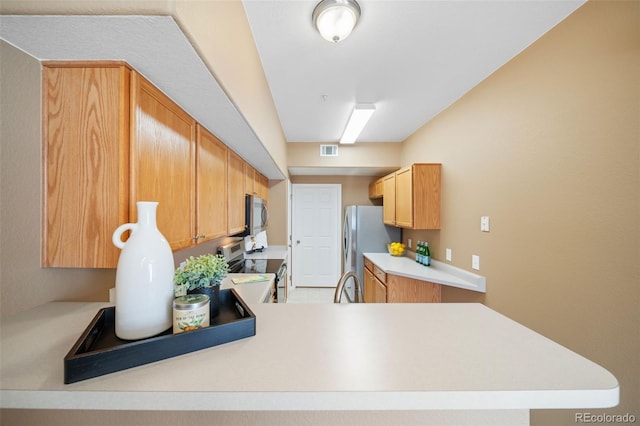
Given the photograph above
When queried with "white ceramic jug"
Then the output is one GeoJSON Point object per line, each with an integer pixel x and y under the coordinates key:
{"type": "Point", "coordinates": [144, 278]}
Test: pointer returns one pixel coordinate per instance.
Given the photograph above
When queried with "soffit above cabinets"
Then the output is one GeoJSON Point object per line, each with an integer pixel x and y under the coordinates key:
{"type": "Point", "coordinates": [411, 58]}
{"type": "Point", "coordinates": [341, 171]}
{"type": "Point", "coordinates": [157, 48]}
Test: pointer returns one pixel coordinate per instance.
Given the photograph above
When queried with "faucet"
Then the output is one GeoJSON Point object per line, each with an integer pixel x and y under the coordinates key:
{"type": "Point", "coordinates": [340, 287]}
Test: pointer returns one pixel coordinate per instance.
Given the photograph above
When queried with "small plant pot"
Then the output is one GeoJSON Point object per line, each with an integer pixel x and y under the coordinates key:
{"type": "Point", "coordinates": [214, 298]}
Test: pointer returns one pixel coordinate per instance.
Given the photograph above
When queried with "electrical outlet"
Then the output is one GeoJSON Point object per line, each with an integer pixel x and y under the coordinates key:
{"type": "Point", "coordinates": [409, 242]}
{"type": "Point", "coordinates": [484, 223]}
{"type": "Point", "coordinates": [475, 262]}
{"type": "Point", "coordinates": [448, 254]}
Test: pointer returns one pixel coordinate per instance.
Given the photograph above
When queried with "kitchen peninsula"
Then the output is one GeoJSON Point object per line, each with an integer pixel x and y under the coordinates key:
{"type": "Point", "coordinates": [428, 359]}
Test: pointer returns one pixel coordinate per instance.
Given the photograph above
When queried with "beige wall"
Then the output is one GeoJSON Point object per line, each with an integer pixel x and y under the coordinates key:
{"type": "Point", "coordinates": [220, 32]}
{"type": "Point", "coordinates": [548, 147]}
{"type": "Point", "coordinates": [383, 155]}
{"type": "Point", "coordinates": [23, 284]}
{"type": "Point", "coordinates": [278, 204]}
{"type": "Point", "coordinates": [355, 189]}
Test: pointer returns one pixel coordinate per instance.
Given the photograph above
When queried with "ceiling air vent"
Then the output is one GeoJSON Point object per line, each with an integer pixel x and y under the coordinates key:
{"type": "Point", "coordinates": [328, 150]}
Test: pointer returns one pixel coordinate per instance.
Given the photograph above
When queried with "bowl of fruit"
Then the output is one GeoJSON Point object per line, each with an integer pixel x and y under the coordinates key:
{"type": "Point", "coordinates": [395, 249]}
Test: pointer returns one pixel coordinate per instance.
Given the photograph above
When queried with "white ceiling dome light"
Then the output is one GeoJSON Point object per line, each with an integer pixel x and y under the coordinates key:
{"type": "Point", "coordinates": [335, 19]}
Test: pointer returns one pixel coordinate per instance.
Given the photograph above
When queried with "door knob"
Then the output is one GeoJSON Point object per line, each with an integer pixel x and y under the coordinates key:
{"type": "Point", "coordinates": [297, 241]}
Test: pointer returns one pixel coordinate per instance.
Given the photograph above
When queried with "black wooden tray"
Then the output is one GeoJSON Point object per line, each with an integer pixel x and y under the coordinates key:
{"type": "Point", "coordinates": [99, 351]}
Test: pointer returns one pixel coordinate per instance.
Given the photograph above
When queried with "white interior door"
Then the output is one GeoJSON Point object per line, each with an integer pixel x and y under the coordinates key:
{"type": "Point", "coordinates": [316, 215]}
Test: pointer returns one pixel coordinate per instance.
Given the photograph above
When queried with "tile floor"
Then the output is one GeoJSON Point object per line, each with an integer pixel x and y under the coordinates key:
{"type": "Point", "coordinates": [311, 295]}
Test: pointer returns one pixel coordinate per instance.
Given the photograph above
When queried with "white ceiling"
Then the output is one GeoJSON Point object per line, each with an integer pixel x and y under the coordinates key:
{"type": "Point", "coordinates": [411, 58]}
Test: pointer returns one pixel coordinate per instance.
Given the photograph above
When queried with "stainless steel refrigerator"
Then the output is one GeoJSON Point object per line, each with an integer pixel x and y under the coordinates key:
{"type": "Point", "coordinates": [363, 231]}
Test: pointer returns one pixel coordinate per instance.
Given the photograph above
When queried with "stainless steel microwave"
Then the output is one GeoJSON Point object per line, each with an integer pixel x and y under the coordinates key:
{"type": "Point", "coordinates": [256, 215]}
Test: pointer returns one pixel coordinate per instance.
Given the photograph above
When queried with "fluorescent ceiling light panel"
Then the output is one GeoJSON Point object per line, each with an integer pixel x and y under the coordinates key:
{"type": "Point", "coordinates": [359, 118]}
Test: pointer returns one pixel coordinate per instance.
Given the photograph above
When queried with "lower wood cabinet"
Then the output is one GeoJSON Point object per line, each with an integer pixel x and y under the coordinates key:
{"type": "Point", "coordinates": [409, 290]}
{"type": "Point", "coordinates": [380, 292]}
{"type": "Point", "coordinates": [374, 290]}
{"type": "Point", "coordinates": [380, 287]}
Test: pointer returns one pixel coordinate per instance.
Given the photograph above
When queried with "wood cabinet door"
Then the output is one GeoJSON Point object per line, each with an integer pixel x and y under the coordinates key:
{"type": "Point", "coordinates": [389, 203]}
{"type": "Point", "coordinates": [426, 196]}
{"type": "Point", "coordinates": [404, 198]}
{"type": "Point", "coordinates": [374, 290]}
{"type": "Point", "coordinates": [369, 286]}
{"type": "Point", "coordinates": [372, 190]}
{"type": "Point", "coordinates": [236, 196]}
{"type": "Point", "coordinates": [379, 188]}
{"type": "Point", "coordinates": [85, 163]}
{"type": "Point", "coordinates": [409, 290]}
{"type": "Point", "coordinates": [376, 189]}
{"type": "Point", "coordinates": [211, 186]}
{"type": "Point", "coordinates": [249, 180]}
{"type": "Point", "coordinates": [262, 186]}
{"type": "Point", "coordinates": [163, 162]}
{"type": "Point", "coordinates": [380, 292]}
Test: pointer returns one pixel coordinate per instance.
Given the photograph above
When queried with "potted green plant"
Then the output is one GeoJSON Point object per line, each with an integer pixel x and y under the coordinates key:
{"type": "Point", "coordinates": [202, 274]}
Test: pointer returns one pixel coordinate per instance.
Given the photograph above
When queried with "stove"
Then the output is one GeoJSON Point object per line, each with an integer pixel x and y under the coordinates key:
{"type": "Point", "coordinates": [234, 254]}
{"type": "Point", "coordinates": [261, 266]}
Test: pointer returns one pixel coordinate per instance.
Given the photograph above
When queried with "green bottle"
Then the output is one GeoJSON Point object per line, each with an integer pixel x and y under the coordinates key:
{"type": "Point", "coordinates": [427, 255]}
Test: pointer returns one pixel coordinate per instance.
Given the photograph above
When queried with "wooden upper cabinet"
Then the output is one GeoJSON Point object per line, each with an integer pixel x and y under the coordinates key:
{"type": "Point", "coordinates": [389, 203]}
{"type": "Point", "coordinates": [255, 183]}
{"type": "Point", "coordinates": [261, 186]}
{"type": "Point", "coordinates": [412, 197]}
{"type": "Point", "coordinates": [236, 195]}
{"type": "Point", "coordinates": [110, 139]}
{"type": "Point", "coordinates": [211, 186]}
{"type": "Point", "coordinates": [376, 189]}
{"type": "Point", "coordinates": [425, 194]}
{"type": "Point", "coordinates": [404, 198]}
{"type": "Point", "coordinates": [163, 162]}
{"type": "Point", "coordinates": [85, 162]}
{"type": "Point", "coordinates": [249, 179]}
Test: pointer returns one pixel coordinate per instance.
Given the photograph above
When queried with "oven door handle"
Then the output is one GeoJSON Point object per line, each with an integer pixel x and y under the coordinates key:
{"type": "Point", "coordinates": [281, 271]}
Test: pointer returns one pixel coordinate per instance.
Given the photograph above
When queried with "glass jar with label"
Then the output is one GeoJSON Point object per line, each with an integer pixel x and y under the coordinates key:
{"type": "Point", "coordinates": [190, 312]}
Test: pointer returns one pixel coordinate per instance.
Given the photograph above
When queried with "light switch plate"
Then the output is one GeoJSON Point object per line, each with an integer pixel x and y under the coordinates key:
{"type": "Point", "coordinates": [475, 262]}
{"type": "Point", "coordinates": [484, 223]}
{"type": "Point", "coordinates": [448, 254]}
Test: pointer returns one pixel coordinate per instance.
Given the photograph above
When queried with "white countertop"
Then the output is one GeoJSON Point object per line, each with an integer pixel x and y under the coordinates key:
{"type": "Point", "coordinates": [315, 357]}
{"type": "Point", "coordinates": [249, 292]}
{"type": "Point", "coordinates": [438, 272]}
{"type": "Point", "coordinates": [271, 252]}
